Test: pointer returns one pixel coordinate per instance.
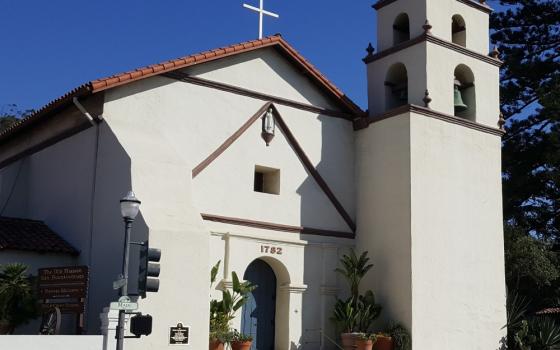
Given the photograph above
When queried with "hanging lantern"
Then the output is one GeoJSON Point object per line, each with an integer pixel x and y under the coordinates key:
{"type": "Point", "coordinates": [460, 106]}
{"type": "Point", "coordinates": [268, 126]}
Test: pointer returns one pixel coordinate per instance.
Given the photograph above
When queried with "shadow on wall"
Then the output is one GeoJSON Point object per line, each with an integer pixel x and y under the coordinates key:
{"type": "Point", "coordinates": [113, 182]}
{"type": "Point", "coordinates": [319, 275]}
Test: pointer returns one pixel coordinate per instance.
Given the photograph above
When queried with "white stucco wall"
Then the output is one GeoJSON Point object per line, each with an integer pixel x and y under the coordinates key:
{"type": "Point", "coordinates": [430, 207]}
{"type": "Point", "coordinates": [477, 22]}
{"type": "Point", "coordinates": [67, 168]}
{"type": "Point", "coordinates": [58, 342]}
{"type": "Point", "coordinates": [194, 128]}
{"type": "Point", "coordinates": [166, 128]}
{"type": "Point", "coordinates": [383, 178]}
{"type": "Point", "coordinates": [457, 237]}
{"type": "Point", "coordinates": [416, 11]}
{"type": "Point", "coordinates": [439, 13]}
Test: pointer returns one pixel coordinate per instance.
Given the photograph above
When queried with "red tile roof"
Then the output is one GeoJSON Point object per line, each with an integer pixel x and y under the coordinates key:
{"type": "Point", "coordinates": [98, 85]}
{"type": "Point", "coordinates": [31, 235]}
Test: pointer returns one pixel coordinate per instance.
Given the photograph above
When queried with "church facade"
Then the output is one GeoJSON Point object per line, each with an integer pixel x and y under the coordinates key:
{"type": "Point", "coordinates": [248, 155]}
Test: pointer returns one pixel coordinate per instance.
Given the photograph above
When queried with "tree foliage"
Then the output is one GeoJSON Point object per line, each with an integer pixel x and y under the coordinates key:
{"type": "Point", "coordinates": [532, 268]}
{"type": "Point", "coordinates": [528, 35]}
{"type": "Point", "coordinates": [10, 114]}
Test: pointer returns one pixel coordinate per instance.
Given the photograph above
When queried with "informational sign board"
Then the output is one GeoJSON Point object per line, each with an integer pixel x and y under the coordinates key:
{"type": "Point", "coordinates": [65, 288]}
{"type": "Point", "coordinates": [179, 335]}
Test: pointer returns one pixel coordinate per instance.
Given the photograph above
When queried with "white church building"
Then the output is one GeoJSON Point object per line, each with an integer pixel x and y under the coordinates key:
{"type": "Point", "coordinates": [415, 180]}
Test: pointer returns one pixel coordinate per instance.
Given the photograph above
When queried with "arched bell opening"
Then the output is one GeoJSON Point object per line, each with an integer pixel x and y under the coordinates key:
{"type": "Point", "coordinates": [464, 93]}
{"type": "Point", "coordinates": [396, 86]}
{"type": "Point", "coordinates": [458, 31]}
{"type": "Point", "coordinates": [401, 29]}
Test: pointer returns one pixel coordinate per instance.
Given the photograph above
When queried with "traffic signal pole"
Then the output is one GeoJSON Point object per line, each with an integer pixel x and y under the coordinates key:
{"type": "Point", "coordinates": [124, 288]}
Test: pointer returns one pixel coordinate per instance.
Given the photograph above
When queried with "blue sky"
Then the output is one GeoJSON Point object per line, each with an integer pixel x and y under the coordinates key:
{"type": "Point", "coordinates": [50, 47]}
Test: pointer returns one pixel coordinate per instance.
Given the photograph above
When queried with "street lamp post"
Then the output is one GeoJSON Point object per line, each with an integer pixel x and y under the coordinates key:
{"type": "Point", "coordinates": [129, 209]}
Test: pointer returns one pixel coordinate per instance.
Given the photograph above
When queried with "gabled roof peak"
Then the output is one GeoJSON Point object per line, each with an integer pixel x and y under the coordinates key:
{"type": "Point", "coordinates": [116, 80]}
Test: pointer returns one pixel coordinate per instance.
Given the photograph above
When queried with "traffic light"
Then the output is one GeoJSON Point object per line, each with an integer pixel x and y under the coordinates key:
{"type": "Point", "coordinates": [149, 270]}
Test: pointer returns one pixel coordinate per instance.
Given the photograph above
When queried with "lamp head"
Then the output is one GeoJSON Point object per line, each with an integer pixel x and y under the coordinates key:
{"type": "Point", "coordinates": [130, 205]}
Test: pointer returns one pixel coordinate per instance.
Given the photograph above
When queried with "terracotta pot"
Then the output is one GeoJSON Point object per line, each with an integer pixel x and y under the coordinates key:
{"type": "Point", "coordinates": [349, 340]}
{"type": "Point", "coordinates": [241, 345]}
{"type": "Point", "coordinates": [216, 345]}
{"type": "Point", "coordinates": [364, 344]}
{"type": "Point", "coordinates": [384, 343]}
{"type": "Point", "coordinates": [5, 327]}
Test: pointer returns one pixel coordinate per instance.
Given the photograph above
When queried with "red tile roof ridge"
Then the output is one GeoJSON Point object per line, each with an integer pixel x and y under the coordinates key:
{"type": "Point", "coordinates": [127, 77]}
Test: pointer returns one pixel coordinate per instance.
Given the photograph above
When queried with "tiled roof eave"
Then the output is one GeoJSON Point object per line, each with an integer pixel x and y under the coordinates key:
{"type": "Point", "coordinates": [103, 84]}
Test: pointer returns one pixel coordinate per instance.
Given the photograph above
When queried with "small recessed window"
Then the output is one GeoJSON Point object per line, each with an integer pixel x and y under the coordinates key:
{"type": "Point", "coordinates": [267, 180]}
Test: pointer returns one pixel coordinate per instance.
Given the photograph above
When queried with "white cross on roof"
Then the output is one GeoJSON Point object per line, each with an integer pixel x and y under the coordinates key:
{"type": "Point", "coordinates": [261, 11]}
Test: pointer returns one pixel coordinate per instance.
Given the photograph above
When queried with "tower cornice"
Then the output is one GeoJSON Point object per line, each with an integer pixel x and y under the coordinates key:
{"type": "Point", "coordinates": [427, 37]}
{"type": "Point", "coordinates": [482, 6]}
{"type": "Point", "coordinates": [427, 112]}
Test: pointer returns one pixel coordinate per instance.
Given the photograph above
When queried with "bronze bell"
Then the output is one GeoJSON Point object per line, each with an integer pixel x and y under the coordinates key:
{"type": "Point", "coordinates": [460, 106]}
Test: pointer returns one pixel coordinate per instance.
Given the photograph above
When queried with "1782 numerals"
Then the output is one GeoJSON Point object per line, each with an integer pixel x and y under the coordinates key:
{"type": "Point", "coordinates": [271, 250]}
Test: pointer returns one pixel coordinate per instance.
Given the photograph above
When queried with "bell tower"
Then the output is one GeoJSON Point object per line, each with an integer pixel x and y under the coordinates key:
{"type": "Point", "coordinates": [429, 173]}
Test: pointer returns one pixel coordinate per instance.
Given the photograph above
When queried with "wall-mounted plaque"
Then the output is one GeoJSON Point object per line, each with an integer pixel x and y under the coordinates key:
{"type": "Point", "coordinates": [179, 335]}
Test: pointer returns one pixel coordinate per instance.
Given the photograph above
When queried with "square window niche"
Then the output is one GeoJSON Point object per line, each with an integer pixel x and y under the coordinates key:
{"type": "Point", "coordinates": [267, 180]}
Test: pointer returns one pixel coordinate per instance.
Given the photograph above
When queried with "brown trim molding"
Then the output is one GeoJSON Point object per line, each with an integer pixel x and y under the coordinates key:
{"type": "Point", "coordinates": [277, 227]}
{"type": "Point", "coordinates": [427, 112]}
{"type": "Point", "coordinates": [434, 40]}
{"type": "Point", "coordinates": [311, 169]}
{"type": "Point", "coordinates": [477, 5]}
{"type": "Point", "coordinates": [254, 94]}
{"type": "Point", "coordinates": [382, 3]}
{"type": "Point", "coordinates": [461, 49]}
{"type": "Point", "coordinates": [404, 45]}
{"type": "Point", "coordinates": [230, 140]}
{"type": "Point", "coordinates": [295, 146]}
{"type": "Point", "coordinates": [474, 4]}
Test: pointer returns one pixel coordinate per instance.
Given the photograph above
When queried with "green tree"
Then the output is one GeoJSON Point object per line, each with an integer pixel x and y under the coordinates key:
{"type": "Point", "coordinates": [532, 269]}
{"type": "Point", "coordinates": [10, 114]}
{"type": "Point", "coordinates": [527, 33]}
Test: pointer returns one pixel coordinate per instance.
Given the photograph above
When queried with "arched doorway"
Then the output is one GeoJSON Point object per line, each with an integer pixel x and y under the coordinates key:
{"type": "Point", "coordinates": [259, 313]}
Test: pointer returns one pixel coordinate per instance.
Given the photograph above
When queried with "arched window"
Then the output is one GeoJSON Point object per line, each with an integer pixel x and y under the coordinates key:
{"type": "Point", "coordinates": [464, 93]}
{"type": "Point", "coordinates": [401, 29]}
{"type": "Point", "coordinates": [396, 86]}
{"type": "Point", "coordinates": [458, 31]}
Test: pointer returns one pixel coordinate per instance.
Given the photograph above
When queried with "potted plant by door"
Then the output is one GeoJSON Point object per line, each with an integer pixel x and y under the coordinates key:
{"type": "Point", "coordinates": [356, 314]}
{"type": "Point", "coordinates": [240, 341]}
{"type": "Point", "coordinates": [401, 336]}
{"type": "Point", "coordinates": [18, 304]}
{"type": "Point", "coordinates": [365, 341]}
{"type": "Point", "coordinates": [384, 342]}
{"type": "Point", "coordinates": [223, 311]}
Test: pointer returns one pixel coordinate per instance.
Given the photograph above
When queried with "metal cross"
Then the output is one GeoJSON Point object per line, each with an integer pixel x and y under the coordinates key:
{"type": "Point", "coordinates": [261, 12]}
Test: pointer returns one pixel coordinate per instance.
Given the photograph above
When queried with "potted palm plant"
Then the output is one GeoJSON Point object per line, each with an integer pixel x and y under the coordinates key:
{"type": "Point", "coordinates": [223, 311]}
{"type": "Point", "coordinates": [18, 303]}
{"type": "Point", "coordinates": [355, 314]}
{"type": "Point", "coordinates": [365, 341]}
